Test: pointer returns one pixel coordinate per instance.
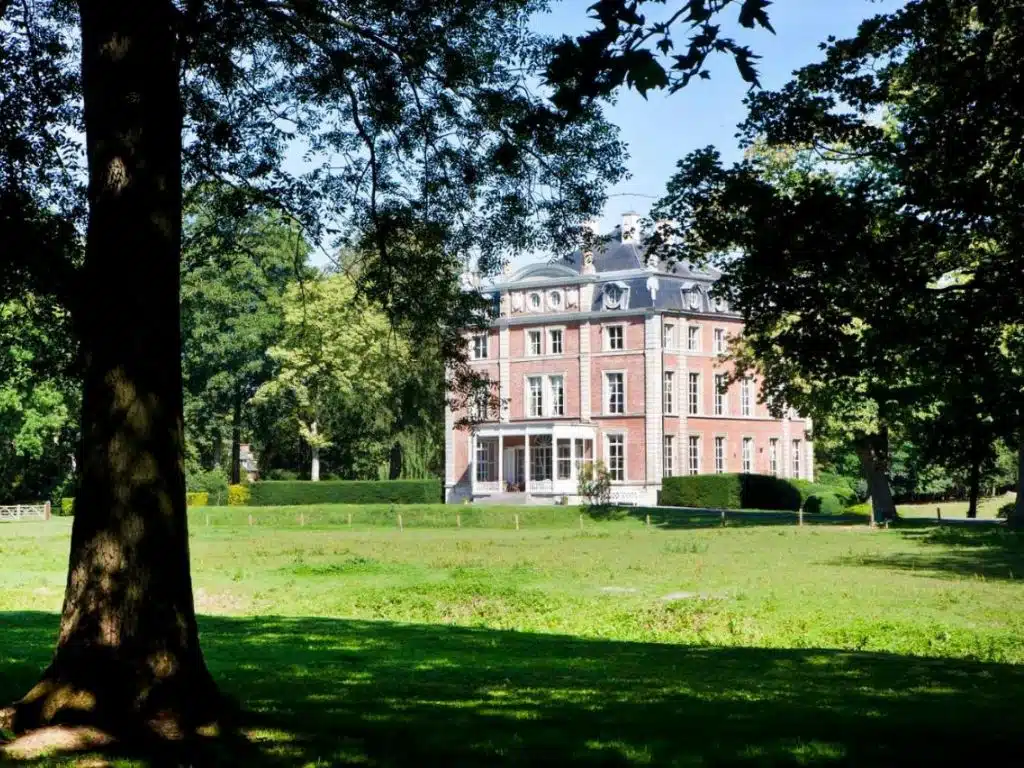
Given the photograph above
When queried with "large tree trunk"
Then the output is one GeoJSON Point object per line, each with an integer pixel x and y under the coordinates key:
{"type": "Point", "coordinates": [872, 450]}
{"type": "Point", "coordinates": [974, 491]}
{"type": "Point", "coordinates": [1017, 518]}
{"type": "Point", "coordinates": [128, 654]}
{"type": "Point", "coordinates": [314, 444]}
{"type": "Point", "coordinates": [236, 439]}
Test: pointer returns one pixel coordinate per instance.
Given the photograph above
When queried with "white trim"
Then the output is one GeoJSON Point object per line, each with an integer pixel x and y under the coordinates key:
{"type": "Point", "coordinates": [670, 390]}
{"type": "Point", "coordinates": [547, 339]}
{"type": "Point", "coordinates": [700, 400]}
{"type": "Point", "coordinates": [699, 328]}
{"type": "Point", "coordinates": [528, 347]}
{"type": "Point", "coordinates": [725, 453]}
{"type": "Point", "coordinates": [753, 453]}
{"type": "Point", "coordinates": [690, 437]}
{"type": "Point", "coordinates": [725, 340]}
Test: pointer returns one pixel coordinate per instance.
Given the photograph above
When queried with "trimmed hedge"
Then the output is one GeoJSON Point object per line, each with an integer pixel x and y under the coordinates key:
{"type": "Point", "coordinates": [824, 504]}
{"type": "Point", "coordinates": [280, 493]}
{"type": "Point", "coordinates": [238, 495]}
{"type": "Point", "coordinates": [846, 495]}
{"type": "Point", "coordinates": [731, 491]}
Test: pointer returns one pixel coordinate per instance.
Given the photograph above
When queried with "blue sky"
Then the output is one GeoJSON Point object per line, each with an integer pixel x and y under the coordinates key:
{"type": "Point", "coordinates": [662, 129]}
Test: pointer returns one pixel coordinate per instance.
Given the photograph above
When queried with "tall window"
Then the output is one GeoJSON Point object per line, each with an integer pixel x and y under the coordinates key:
{"type": "Point", "coordinates": [615, 389]}
{"type": "Point", "coordinates": [540, 457]}
{"type": "Point", "coordinates": [720, 394]}
{"type": "Point", "coordinates": [557, 387]}
{"type": "Point", "coordinates": [719, 343]}
{"type": "Point", "coordinates": [668, 400]}
{"type": "Point", "coordinates": [693, 394]}
{"type": "Point", "coordinates": [584, 453]}
{"type": "Point", "coordinates": [668, 336]}
{"type": "Point", "coordinates": [747, 397]}
{"type": "Point", "coordinates": [748, 454]}
{"type": "Point", "coordinates": [479, 346]}
{"type": "Point", "coordinates": [668, 456]}
{"type": "Point", "coordinates": [564, 459]}
{"type": "Point", "coordinates": [694, 454]}
{"type": "Point", "coordinates": [773, 456]}
{"type": "Point", "coordinates": [533, 341]}
{"type": "Point", "coordinates": [693, 338]}
{"type": "Point", "coordinates": [487, 461]}
{"type": "Point", "coordinates": [480, 399]}
{"type": "Point", "coordinates": [555, 341]}
{"type": "Point", "coordinates": [536, 387]}
{"type": "Point", "coordinates": [796, 458]}
{"type": "Point", "coordinates": [615, 337]}
{"type": "Point", "coordinates": [616, 457]}
{"type": "Point", "coordinates": [719, 455]}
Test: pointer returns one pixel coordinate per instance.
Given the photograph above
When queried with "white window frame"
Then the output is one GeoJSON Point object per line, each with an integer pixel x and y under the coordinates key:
{"type": "Point", "coordinates": [773, 456]}
{"type": "Point", "coordinates": [608, 455]}
{"type": "Point", "coordinates": [549, 334]}
{"type": "Point", "coordinates": [528, 347]}
{"type": "Point", "coordinates": [719, 341]}
{"type": "Point", "coordinates": [563, 442]}
{"type": "Point", "coordinates": [606, 392]}
{"type": "Point", "coordinates": [608, 337]}
{"type": "Point", "coordinates": [693, 407]}
{"type": "Point", "coordinates": [746, 397]}
{"type": "Point", "coordinates": [539, 306]}
{"type": "Point", "coordinates": [721, 396]}
{"type": "Point", "coordinates": [560, 410]}
{"type": "Point", "coordinates": [693, 333]}
{"type": "Point", "coordinates": [721, 454]}
{"type": "Point", "coordinates": [795, 458]}
{"type": "Point", "coordinates": [528, 388]}
{"type": "Point", "coordinates": [480, 403]}
{"type": "Point", "coordinates": [486, 456]}
{"type": "Point", "coordinates": [668, 456]}
{"type": "Point", "coordinates": [747, 462]}
{"type": "Point", "coordinates": [477, 348]}
{"type": "Point", "coordinates": [668, 393]}
{"type": "Point", "coordinates": [693, 454]}
{"type": "Point", "coordinates": [668, 335]}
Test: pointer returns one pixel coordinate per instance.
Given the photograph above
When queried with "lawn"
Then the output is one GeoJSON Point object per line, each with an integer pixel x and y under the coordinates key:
{"type": "Point", "coordinates": [987, 508]}
{"type": "Point", "coordinates": [614, 644]}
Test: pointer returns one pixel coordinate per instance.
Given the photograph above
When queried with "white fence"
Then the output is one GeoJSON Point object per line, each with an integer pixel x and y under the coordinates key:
{"type": "Point", "coordinates": [14, 512]}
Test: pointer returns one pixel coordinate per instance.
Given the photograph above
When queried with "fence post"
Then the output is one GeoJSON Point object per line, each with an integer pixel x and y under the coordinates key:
{"type": "Point", "coordinates": [302, 518]}
{"type": "Point", "coordinates": [648, 521]}
{"type": "Point", "coordinates": [517, 522]}
{"type": "Point", "coordinates": [47, 511]}
{"type": "Point", "coordinates": [400, 526]}
{"type": "Point", "coordinates": [349, 519]}
{"type": "Point", "coordinates": [723, 518]}
{"type": "Point", "coordinates": [800, 516]}
{"type": "Point", "coordinates": [938, 511]}
{"type": "Point", "coordinates": [581, 522]}
{"type": "Point", "coordinates": [458, 520]}
{"type": "Point", "coordinates": [250, 521]}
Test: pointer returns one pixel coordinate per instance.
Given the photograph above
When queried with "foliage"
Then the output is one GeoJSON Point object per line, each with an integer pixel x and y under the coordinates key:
{"type": "Point", "coordinates": [730, 491]}
{"type": "Point", "coordinates": [594, 485]}
{"type": "Point", "coordinates": [282, 474]}
{"type": "Point", "coordinates": [67, 507]}
{"type": "Point", "coordinates": [213, 482]}
{"type": "Point", "coordinates": [197, 499]}
{"type": "Point", "coordinates": [807, 489]}
{"type": "Point", "coordinates": [291, 492]}
{"type": "Point", "coordinates": [238, 495]}
{"type": "Point", "coordinates": [824, 504]}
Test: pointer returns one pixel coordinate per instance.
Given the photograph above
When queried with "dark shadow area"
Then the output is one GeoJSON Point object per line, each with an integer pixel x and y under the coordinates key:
{"type": "Point", "coordinates": [990, 552]}
{"type": "Point", "coordinates": [335, 692]}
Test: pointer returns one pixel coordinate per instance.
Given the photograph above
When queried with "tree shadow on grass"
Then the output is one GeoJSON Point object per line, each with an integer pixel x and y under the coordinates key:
{"type": "Point", "coordinates": [991, 552]}
{"type": "Point", "coordinates": [335, 692]}
{"type": "Point", "coordinates": [685, 518]}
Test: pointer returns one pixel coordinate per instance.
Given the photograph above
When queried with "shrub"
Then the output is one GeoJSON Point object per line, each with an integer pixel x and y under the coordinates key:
{"type": "Point", "coordinates": [197, 499]}
{"type": "Point", "coordinates": [823, 504]}
{"type": "Point", "coordinates": [1006, 511]}
{"type": "Point", "coordinates": [67, 507]}
{"type": "Point", "coordinates": [594, 485]}
{"type": "Point", "coordinates": [845, 494]}
{"type": "Point", "coordinates": [730, 491]}
{"type": "Point", "coordinates": [214, 482]}
{"type": "Point", "coordinates": [291, 492]}
{"type": "Point", "coordinates": [238, 495]}
{"type": "Point", "coordinates": [282, 474]}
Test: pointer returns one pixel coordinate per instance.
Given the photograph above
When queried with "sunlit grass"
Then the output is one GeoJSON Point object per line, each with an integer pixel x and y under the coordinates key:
{"type": "Point", "coordinates": [615, 644]}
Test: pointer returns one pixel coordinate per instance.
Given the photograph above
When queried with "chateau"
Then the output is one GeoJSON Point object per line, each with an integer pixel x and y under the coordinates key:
{"type": "Point", "coordinates": [608, 357]}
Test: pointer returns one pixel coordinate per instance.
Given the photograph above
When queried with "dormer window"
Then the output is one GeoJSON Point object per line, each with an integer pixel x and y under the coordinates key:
{"type": "Point", "coordinates": [616, 296]}
{"type": "Point", "coordinates": [693, 298]}
{"type": "Point", "coordinates": [535, 302]}
{"type": "Point", "coordinates": [555, 299]}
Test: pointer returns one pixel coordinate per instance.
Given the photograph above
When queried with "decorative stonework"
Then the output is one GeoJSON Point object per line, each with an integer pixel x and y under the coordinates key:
{"type": "Point", "coordinates": [572, 298]}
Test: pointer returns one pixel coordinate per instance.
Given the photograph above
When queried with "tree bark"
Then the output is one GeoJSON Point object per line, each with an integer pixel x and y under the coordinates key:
{"type": "Point", "coordinates": [236, 439]}
{"type": "Point", "coordinates": [314, 444]}
{"type": "Point", "coordinates": [974, 491]}
{"type": "Point", "coordinates": [870, 451]}
{"type": "Point", "coordinates": [128, 654]}
{"type": "Point", "coordinates": [1018, 509]}
{"type": "Point", "coordinates": [395, 461]}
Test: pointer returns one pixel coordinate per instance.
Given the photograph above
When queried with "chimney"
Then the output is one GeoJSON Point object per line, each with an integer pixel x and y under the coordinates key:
{"type": "Point", "coordinates": [631, 227]}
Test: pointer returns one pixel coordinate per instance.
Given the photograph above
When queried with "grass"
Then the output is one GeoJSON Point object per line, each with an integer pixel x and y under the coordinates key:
{"type": "Point", "coordinates": [987, 508]}
{"type": "Point", "coordinates": [615, 645]}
